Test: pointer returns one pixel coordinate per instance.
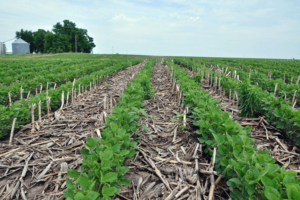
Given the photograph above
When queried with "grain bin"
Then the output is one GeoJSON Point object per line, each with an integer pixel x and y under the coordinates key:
{"type": "Point", "coordinates": [19, 46]}
{"type": "Point", "coordinates": [2, 48]}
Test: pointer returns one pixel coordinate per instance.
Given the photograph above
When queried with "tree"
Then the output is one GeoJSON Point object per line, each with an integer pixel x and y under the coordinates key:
{"type": "Point", "coordinates": [55, 43]}
{"type": "Point", "coordinates": [61, 39]}
{"type": "Point", "coordinates": [85, 43]}
{"type": "Point", "coordinates": [39, 40]}
{"type": "Point", "coordinates": [66, 28]}
{"type": "Point", "coordinates": [27, 36]}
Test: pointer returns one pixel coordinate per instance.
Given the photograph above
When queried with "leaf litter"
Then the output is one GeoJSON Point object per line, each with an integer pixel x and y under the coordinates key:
{"type": "Point", "coordinates": [170, 162]}
{"type": "Point", "coordinates": [35, 165]}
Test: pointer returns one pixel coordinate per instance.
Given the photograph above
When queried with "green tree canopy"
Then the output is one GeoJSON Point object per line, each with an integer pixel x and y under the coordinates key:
{"type": "Point", "coordinates": [61, 39]}
{"type": "Point", "coordinates": [39, 40]}
{"type": "Point", "coordinates": [56, 43]}
{"type": "Point", "coordinates": [84, 41]}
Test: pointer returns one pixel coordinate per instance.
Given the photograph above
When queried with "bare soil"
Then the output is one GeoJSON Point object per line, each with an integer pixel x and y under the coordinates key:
{"type": "Point", "coordinates": [35, 165]}
{"type": "Point", "coordinates": [168, 162]}
{"type": "Point", "coordinates": [265, 136]}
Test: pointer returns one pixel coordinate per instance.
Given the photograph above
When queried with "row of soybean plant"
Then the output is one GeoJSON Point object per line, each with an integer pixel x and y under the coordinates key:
{"type": "Point", "coordinates": [102, 171]}
{"type": "Point", "coordinates": [20, 109]}
{"type": "Point", "coordinates": [44, 79]}
{"type": "Point", "coordinates": [253, 100]}
{"type": "Point", "coordinates": [251, 174]}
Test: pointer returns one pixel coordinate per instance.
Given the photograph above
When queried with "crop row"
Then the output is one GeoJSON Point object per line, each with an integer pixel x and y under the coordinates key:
{"type": "Point", "coordinates": [12, 71]}
{"type": "Point", "coordinates": [19, 109]}
{"type": "Point", "coordinates": [277, 67]}
{"type": "Point", "coordinates": [62, 75]}
{"type": "Point", "coordinates": [102, 167]}
{"type": "Point", "coordinates": [277, 111]}
{"type": "Point", "coordinates": [251, 174]}
{"type": "Point", "coordinates": [284, 90]}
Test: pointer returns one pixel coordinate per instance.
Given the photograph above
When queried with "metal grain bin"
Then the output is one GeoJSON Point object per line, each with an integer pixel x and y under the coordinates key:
{"type": "Point", "coordinates": [20, 47]}
{"type": "Point", "coordinates": [2, 48]}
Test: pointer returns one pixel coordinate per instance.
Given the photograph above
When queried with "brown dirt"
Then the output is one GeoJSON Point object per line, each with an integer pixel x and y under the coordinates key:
{"type": "Point", "coordinates": [35, 165]}
{"type": "Point", "coordinates": [265, 136]}
{"type": "Point", "coordinates": [165, 164]}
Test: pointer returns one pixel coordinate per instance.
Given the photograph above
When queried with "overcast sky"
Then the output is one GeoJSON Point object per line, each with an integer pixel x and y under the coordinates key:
{"type": "Point", "coordinates": [218, 28]}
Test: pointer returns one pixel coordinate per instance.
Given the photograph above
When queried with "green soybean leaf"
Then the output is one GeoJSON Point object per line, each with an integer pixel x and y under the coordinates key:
{"type": "Point", "coordinates": [91, 195]}
{"type": "Point", "coordinates": [251, 189]}
{"type": "Point", "coordinates": [108, 191]}
{"type": "Point", "coordinates": [236, 181]}
{"type": "Point", "coordinates": [122, 170]}
{"type": "Point", "coordinates": [292, 191]}
{"type": "Point", "coordinates": [291, 173]}
{"type": "Point", "coordinates": [116, 148]}
{"type": "Point", "coordinates": [272, 168]}
{"type": "Point", "coordinates": [69, 193]}
{"type": "Point", "coordinates": [106, 198]}
{"type": "Point", "coordinates": [222, 149]}
{"type": "Point", "coordinates": [110, 177]}
{"type": "Point", "coordinates": [99, 148]}
{"type": "Point", "coordinates": [266, 181]}
{"type": "Point", "coordinates": [84, 182]}
{"type": "Point", "coordinates": [114, 127]}
{"type": "Point", "coordinates": [286, 180]}
{"type": "Point", "coordinates": [69, 184]}
{"type": "Point", "coordinates": [125, 182]}
{"type": "Point", "coordinates": [90, 142]}
{"type": "Point", "coordinates": [106, 155]}
{"type": "Point", "coordinates": [73, 173]}
{"type": "Point", "coordinates": [219, 138]}
{"type": "Point", "coordinates": [131, 153]}
{"type": "Point", "coordinates": [79, 196]}
{"type": "Point", "coordinates": [271, 193]}
{"type": "Point", "coordinates": [85, 152]}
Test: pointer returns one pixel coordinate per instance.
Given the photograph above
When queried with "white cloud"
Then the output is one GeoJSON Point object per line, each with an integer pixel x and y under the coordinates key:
{"type": "Point", "coordinates": [168, 27]}
{"type": "Point", "coordinates": [122, 17]}
{"type": "Point", "coordinates": [194, 18]}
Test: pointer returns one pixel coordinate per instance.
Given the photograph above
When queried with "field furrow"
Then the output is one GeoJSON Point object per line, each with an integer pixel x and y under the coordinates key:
{"type": "Point", "coordinates": [249, 169]}
{"type": "Point", "coordinates": [265, 136]}
{"type": "Point", "coordinates": [37, 160]}
{"type": "Point", "coordinates": [169, 163]}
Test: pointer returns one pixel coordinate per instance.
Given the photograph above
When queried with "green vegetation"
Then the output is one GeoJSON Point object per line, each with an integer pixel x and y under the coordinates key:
{"type": "Point", "coordinates": [277, 110]}
{"type": "Point", "coordinates": [248, 99]}
{"type": "Point", "coordinates": [51, 73]}
{"type": "Point", "coordinates": [86, 74]}
{"type": "Point", "coordinates": [146, 85]}
{"type": "Point", "coordinates": [252, 174]}
{"type": "Point", "coordinates": [281, 71]}
{"type": "Point", "coordinates": [103, 171]}
{"type": "Point", "coordinates": [61, 39]}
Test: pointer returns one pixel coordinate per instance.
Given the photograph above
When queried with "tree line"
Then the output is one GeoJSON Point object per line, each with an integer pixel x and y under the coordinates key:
{"type": "Point", "coordinates": [60, 39]}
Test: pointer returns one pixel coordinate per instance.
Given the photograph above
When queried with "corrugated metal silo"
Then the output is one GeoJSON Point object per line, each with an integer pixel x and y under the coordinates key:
{"type": "Point", "coordinates": [19, 46]}
{"type": "Point", "coordinates": [2, 48]}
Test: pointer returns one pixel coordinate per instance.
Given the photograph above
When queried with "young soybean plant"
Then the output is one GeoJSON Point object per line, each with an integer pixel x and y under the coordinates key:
{"type": "Point", "coordinates": [146, 85]}
{"type": "Point", "coordinates": [102, 171]}
{"type": "Point", "coordinates": [197, 77]}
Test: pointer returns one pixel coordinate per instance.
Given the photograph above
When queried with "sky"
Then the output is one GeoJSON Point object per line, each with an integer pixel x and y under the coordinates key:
{"type": "Point", "coordinates": [218, 28]}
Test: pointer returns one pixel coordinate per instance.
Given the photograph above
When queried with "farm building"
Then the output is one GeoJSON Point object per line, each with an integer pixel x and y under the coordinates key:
{"type": "Point", "coordinates": [2, 48]}
{"type": "Point", "coordinates": [19, 46]}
